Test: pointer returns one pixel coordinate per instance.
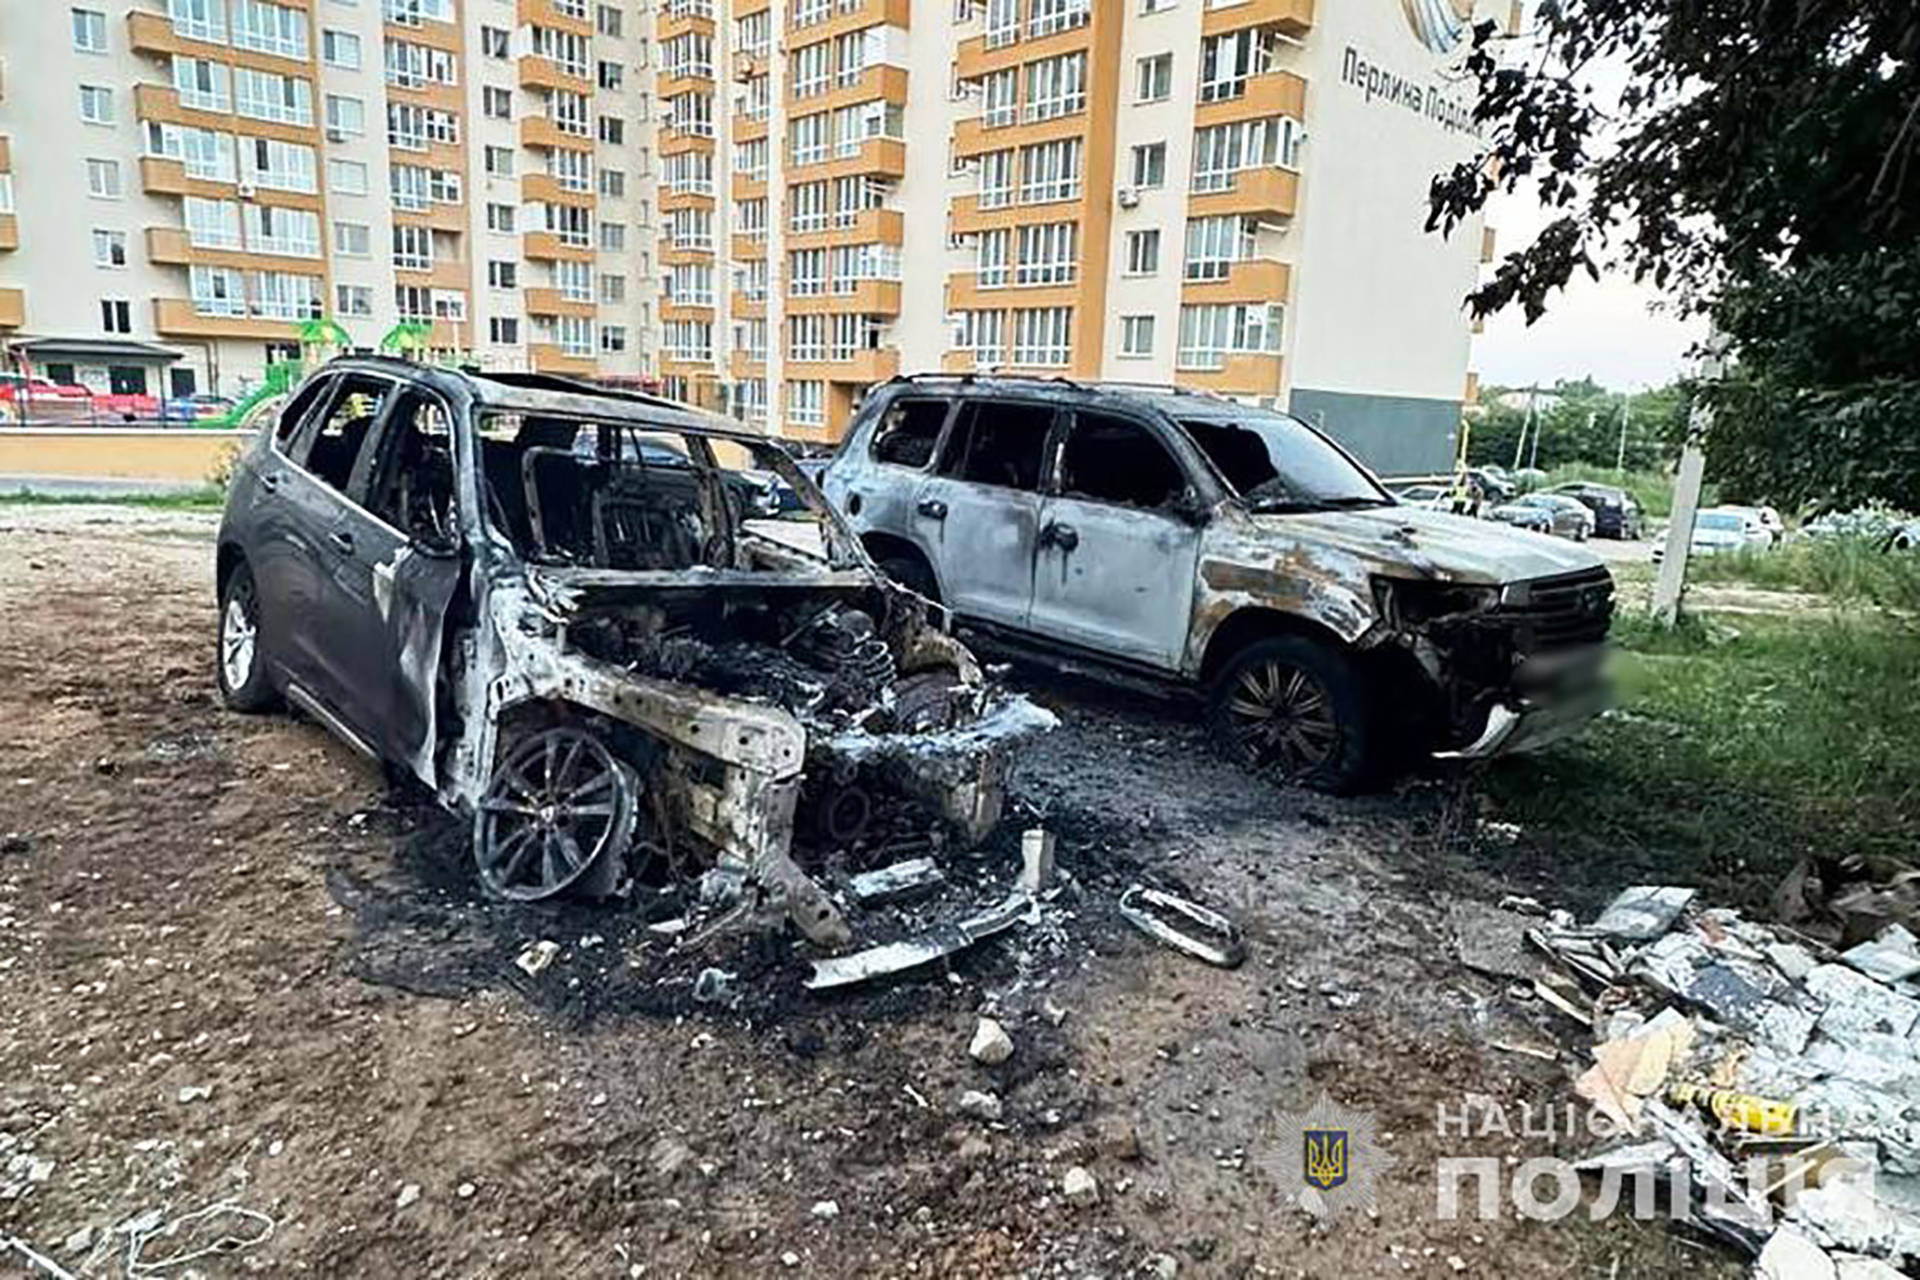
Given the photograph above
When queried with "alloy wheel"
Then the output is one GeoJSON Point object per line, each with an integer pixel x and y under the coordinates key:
{"type": "Point", "coordinates": [557, 805]}
{"type": "Point", "coordinates": [1282, 719]}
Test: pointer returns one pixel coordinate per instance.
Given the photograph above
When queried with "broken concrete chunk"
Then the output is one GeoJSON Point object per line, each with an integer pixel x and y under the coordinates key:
{"type": "Point", "coordinates": [980, 1105]}
{"type": "Point", "coordinates": [1790, 1255]}
{"type": "Point", "coordinates": [1643, 913]}
{"type": "Point", "coordinates": [1857, 1005]}
{"type": "Point", "coordinates": [1794, 961]}
{"type": "Point", "coordinates": [1891, 957]}
{"type": "Point", "coordinates": [991, 1043]}
{"type": "Point", "coordinates": [713, 986]}
{"type": "Point", "coordinates": [898, 882]}
{"type": "Point", "coordinates": [1080, 1188]}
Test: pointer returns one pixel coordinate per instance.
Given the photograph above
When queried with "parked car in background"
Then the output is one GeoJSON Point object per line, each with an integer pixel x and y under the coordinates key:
{"type": "Point", "coordinates": [1753, 524]}
{"type": "Point", "coordinates": [1716, 531]}
{"type": "Point", "coordinates": [1567, 517]}
{"type": "Point", "coordinates": [1492, 484]}
{"type": "Point", "coordinates": [195, 408]}
{"type": "Point", "coordinates": [1193, 542]}
{"type": "Point", "coordinates": [1522, 515]}
{"type": "Point", "coordinates": [1430, 497]}
{"type": "Point", "coordinates": [1615, 512]}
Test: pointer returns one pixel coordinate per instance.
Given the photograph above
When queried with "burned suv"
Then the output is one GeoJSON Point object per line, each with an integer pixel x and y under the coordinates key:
{"type": "Point", "coordinates": [1187, 538]}
{"type": "Point", "coordinates": [553, 606]}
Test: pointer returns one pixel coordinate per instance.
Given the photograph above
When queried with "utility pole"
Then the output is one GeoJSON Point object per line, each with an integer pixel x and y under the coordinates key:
{"type": "Point", "coordinates": [1626, 411]}
{"type": "Point", "coordinates": [1520, 445]}
{"type": "Point", "coordinates": [1667, 588]}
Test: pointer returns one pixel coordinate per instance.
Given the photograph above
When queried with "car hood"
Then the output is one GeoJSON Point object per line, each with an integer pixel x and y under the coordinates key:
{"type": "Point", "coordinates": [1409, 542]}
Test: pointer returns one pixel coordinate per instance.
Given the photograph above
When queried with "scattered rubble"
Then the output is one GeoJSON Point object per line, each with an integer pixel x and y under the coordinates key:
{"type": "Point", "coordinates": [991, 1044]}
{"type": "Point", "coordinates": [1080, 1188]}
{"type": "Point", "coordinates": [1766, 1075]}
{"type": "Point", "coordinates": [980, 1105]}
{"type": "Point", "coordinates": [534, 960]}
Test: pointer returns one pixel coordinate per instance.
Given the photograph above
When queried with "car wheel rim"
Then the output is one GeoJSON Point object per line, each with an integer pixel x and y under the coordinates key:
{"type": "Point", "coordinates": [1282, 719]}
{"type": "Point", "coordinates": [557, 805]}
{"type": "Point", "coordinates": [237, 642]}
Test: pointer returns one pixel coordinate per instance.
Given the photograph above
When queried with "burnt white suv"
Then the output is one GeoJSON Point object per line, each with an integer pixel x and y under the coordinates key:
{"type": "Point", "coordinates": [1191, 539]}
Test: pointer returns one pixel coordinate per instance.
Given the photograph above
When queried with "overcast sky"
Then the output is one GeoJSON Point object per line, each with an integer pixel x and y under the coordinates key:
{"type": "Point", "coordinates": [1607, 328]}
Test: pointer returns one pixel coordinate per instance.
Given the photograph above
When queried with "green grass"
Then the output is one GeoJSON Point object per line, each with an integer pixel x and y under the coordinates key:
{"type": "Point", "coordinates": [1847, 569]}
{"type": "Point", "coordinates": [205, 498]}
{"type": "Point", "coordinates": [1653, 490]}
{"type": "Point", "coordinates": [1737, 748]}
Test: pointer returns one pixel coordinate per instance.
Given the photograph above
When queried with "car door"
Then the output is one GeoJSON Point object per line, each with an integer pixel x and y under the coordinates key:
{"type": "Point", "coordinates": [280, 550]}
{"type": "Point", "coordinates": [1118, 546]}
{"type": "Point", "coordinates": [397, 564]}
{"type": "Point", "coordinates": [315, 496]}
{"type": "Point", "coordinates": [978, 514]}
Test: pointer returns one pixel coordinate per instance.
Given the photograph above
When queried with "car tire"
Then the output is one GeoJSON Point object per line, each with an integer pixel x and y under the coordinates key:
{"type": "Point", "coordinates": [238, 663]}
{"type": "Point", "coordinates": [1320, 694]}
{"type": "Point", "coordinates": [912, 573]}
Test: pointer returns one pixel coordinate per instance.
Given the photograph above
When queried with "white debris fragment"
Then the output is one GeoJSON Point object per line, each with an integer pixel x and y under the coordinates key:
{"type": "Point", "coordinates": [195, 1092]}
{"type": "Point", "coordinates": [979, 1105]}
{"type": "Point", "coordinates": [534, 960]}
{"type": "Point", "coordinates": [789, 1259]}
{"type": "Point", "coordinates": [1789, 1255]}
{"type": "Point", "coordinates": [1643, 913]}
{"type": "Point", "coordinates": [409, 1195]}
{"type": "Point", "coordinates": [1080, 1188]}
{"type": "Point", "coordinates": [991, 1043]}
{"type": "Point", "coordinates": [1036, 860]}
{"type": "Point", "coordinates": [465, 1190]}
{"type": "Point", "coordinates": [826, 1210]}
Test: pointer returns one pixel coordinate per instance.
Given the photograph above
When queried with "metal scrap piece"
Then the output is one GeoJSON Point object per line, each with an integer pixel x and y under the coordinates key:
{"type": "Point", "coordinates": [942, 940]}
{"type": "Point", "coordinates": [1154, 912]}
{"type": "Point", "coordinates": [898, 881]}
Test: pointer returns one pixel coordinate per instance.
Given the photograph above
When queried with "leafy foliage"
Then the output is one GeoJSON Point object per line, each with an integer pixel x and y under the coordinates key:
{"type": "Point", "coordinates": [1759, 164]}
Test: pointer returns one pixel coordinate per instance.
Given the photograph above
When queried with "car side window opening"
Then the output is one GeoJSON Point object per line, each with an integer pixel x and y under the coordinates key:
{"type": "Point", "coordinates": [1276, 462]}
{"type": "Point", "coordinates": [298, 409]}
{"type": "Point", "coordinates": [909, 432]}
{"type": "Point", "coordinates": [413, 487]}
{"type": "Point", "coordinates": [1117, 460]}
{"type": "Point", "coordinates": [334, 443]}
{"type": "Point", "coordinates": [999, 443]}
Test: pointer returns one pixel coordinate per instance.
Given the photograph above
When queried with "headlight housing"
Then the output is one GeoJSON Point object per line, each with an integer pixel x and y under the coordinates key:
{"type": "Point", "coordinates": [1413, 602]}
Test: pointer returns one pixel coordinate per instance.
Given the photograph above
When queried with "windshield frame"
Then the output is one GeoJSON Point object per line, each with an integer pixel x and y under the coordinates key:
{"type": "Point", "coordinates": [1381, 495]}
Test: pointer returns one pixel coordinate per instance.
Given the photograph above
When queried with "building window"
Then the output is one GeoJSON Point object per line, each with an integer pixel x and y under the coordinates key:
{"type": "Point", "coordinates": [270, 28]}
{"type": "Point", "coordinates": [353, 299]}
{"type": "Point", "coordinates": [89, 31]}
{"type": "Point", "coordinates": [498, 161]}
{"type": "Point", "coordinates": [1001, 93]}
{"type": "Point", "coordinates": [103, 179]}
{"type": "Point", "coordinates": [1043, 336]}
{"type": "Point", "coordinates": [501, 218]}
{"type": "Point", "coordinates": [497, 102]}
{"type": "Point", "coordinates": [493, 42]}
{"type": "Point", "coordinates": [412, 248]}
{"type": "Point", "coordinates": [610, 76]}
{"type": "Point", "coordinates": [1155, 6]}
{"type": "Point", "coordinates": [116, 315]}
{"type": "Point", "coordinates": [1150, 164]}
{"type": "Point", "coordinates": [1154, 78]}
{"type": "Point", "coordinates": [984, 333]}
{"type": "Point", "coordinates": [1136, 335]}
{"type": "Point", "coordinates": [613, 237]}
{"type": "Point", "coordinates": [1143, 252]}
{"type": "Point", "coordinates": [503, 331]}
{"type": "Point", "coordinates": [96, 104]}
{"type": "Point", "coordinates": [1056, 86]}
{"type": "Point", "coordinates": [346, 116]}
{"type": "Point", "coordinates": [607, 21]}
{"type": "Point", "coordinates": [347, 177]}
{"type": "Point", "coordinates": [1226, 62]}
{"type": "Point", "coordinates": [613, 184]}
{"type": "Point", "coordinates": [352, 239]}
{"type": "Point", "coordinates": [613, 130]}
{"type": "Point", "coordinates": [1050, 171]}
{"type": "Point", "coordinates": [806, 402]}
{"type": "Point", "coordinates": [340, 49]}
{"type": "Point", "coordinates": [1209, 334]}
{"type": "Point", "coordinates": [1222, 150]}
{"type": "Point", "coordinates": [996, 179]}
{"type": "Point", "coordinates": [502, 274]}
{"type": "Point", "coordinates": [613, 339]}
{"type": "Point", "coordinates": [1215, 244]}
{"type": "Point", "coordinates": [1044, 17]}
{"type": "Point", "coordinates": [203, 85]}
{"type": "Point", "coordinates": [109, 248]}
{"type": "Point", "coordinates": [613, 289]}
{"type": "Point", "coordinates": [1047, 254]}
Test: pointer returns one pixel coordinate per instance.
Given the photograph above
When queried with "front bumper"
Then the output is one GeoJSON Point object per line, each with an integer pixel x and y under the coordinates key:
{"type": "Point", "coordinates": [1552, 697]}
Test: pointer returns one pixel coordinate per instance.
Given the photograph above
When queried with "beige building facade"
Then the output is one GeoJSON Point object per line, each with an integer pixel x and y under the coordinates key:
{"type": "Point", "coordinates": [766, 207]}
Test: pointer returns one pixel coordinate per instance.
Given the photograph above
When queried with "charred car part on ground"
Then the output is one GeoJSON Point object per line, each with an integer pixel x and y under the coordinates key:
{"type": "Point", "coordinates": [1187, 540]}
{"type": "Point", "coordinates": [553, 607]}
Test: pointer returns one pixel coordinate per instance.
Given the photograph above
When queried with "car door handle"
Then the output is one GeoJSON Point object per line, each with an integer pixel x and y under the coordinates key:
{"type": "Point", "coordinates": [271, 482]}
{"type": "Point", "coordinates": [342, 542]}
{"type": "Point", "coordinates": [933, 508]}
{"type": "Point", "coordinates": [1063, 536]}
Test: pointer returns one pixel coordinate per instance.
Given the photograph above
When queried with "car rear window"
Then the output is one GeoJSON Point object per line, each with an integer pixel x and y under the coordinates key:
{"type": "Point", "coordinates": [909, 433]}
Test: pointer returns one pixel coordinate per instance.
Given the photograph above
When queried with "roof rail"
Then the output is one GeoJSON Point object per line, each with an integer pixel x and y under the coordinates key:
{"type": "Point", "coordinates": [991, 376]}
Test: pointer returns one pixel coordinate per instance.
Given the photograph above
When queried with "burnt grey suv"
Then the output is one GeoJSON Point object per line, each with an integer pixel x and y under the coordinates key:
{"type": "Point", "coordinates": [1192, 540]}
{"type": "Point", "coordinates": [551, 605]}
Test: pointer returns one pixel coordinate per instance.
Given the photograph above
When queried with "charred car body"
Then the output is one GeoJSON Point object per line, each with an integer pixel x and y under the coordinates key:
{"type": "Point", "coordinates": [552, 605]}
{"type": "Point", "coordinates": [1185, 538]}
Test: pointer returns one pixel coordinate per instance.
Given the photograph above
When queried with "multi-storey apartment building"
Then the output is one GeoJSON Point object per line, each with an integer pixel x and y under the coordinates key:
{"type": "Point", "coordinates": [769, 205]}
{"type": "Point", "coordinates": [189, 182]}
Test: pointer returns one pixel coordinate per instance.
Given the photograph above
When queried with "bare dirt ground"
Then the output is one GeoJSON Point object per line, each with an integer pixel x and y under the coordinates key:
{"type": "Point", "coordinates": [195, 901]}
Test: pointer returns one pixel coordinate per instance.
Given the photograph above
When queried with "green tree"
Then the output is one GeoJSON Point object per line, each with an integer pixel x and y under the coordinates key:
{"type": "Point", "coordinates": [1760, 166]}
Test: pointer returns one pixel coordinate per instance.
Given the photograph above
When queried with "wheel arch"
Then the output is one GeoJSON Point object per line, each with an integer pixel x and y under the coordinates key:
{"type": "Point", "coordinates": [1253, 623]}
{"type": "Point", "coordinates": [887, 546]}
{"type": "Point", "coordinates": [228, 558]}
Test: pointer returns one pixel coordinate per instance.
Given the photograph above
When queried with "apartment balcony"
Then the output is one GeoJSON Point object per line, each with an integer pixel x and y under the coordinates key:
{"type": "Point", "coordinates": [537, 72]}
{"type": "Point", "coordinates": [445, 273]}
{"type": "Point", "coordinates": [864, 368]}
{"type": "Point", "coordinates": [1288, 17]}
{"type": "Point", "coordinates": [169, 246]}
{"type": "Point", "coordinates": [13, 308]}
{"type": "Point", "coordinates": [6, 154]}
{"type": "Point", "coordinates": [868, 298]}
{"type": "Point", "coordinates": [669, 25]}
{"type": "Point", "coordinates": [966, 217]}
{"type": "Point", "coordinates": [882, 81]}
{"type": "Point", "coordinates": [544, 13]}
{"type": "Point", "coordinates": [965, 293]}
{"type": "Point", "coordinates": [545, 246]}
{"type": "Point", "coordinates": [677, 255]}
{"type": "Point", "coordinates": [742, 186]}
{"type": "Point", "coordinates": [671, 200]}
{"type": "Point", "coordinates": [1271, 193]}
{"type": "Point", "coordinates": [877, 157]}
{"type": "Point", "coordinates": [437, 215]}
{"type": "Point", "coordinates": [9, 233]}
{"type": "Point", "coordinates": [670, 310]}
{"type": "Point", "coordinates": [176, 318]}
{"type": "Point", "coordinates": [1469, 394]}
{"type": "Point", "coordinates": [972, 137]}
{"type": "Point", "coordinates": [546, 189]}
{"type": "Point", "coordinates": [675, 142]}
{"type": "Point", "coordinates": [153, 34]}
{"type": "Point", "coordinates": [547, 357]}
{"type": "Point", "coordinates": [872, 226]}
{"type": "Point", "coordinates": [741, 365]}
{"type": "Point", "coordinates": [747, 248]}
{"type": "Point", "coordinates": [742, 307]}
{"type": "Point", "coordinates": [855, 17]}
{"type": "Point", "coordinates": [748, 129]}
{"type": "Point", "coordinates": [1240, 374]}
{"type": "Point", "coordinates": [551, 302]}
{"type": "Point", "coordinates": [159, 102]}
{"type": "Point", "coordinates": [666, 86]}
{"type": "Point", "coordinates": [1276, 93]}
{"type": "Point", "coordinates": [973, 59]}
{"type": "Point", "coordinates": [542, 134]}
{"type": "Point", "coordinates": [159, 177]}
{"type": "Point", "coordinates": [1256, 280]}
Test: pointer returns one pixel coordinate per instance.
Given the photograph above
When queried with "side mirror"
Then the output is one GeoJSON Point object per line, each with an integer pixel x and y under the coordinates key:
{"type": "Point", "coordinates": [1188, 508]}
